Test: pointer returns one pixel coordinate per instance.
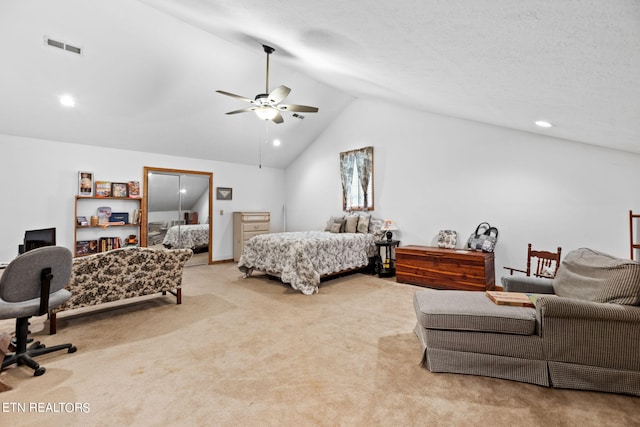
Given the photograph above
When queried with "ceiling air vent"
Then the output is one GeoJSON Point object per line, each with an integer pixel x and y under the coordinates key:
{"type": "Point", "coordinates": [298, 116]}
{"type": "Point", "coordinates": [62, 45]}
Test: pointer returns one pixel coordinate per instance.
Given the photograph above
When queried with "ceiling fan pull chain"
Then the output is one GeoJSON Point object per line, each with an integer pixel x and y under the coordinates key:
{"type": "Point", "coordinates": [260, 149]}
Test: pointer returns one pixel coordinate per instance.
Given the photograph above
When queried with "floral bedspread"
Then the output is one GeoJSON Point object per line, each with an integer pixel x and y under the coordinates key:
{"type": "Point", "coordinates": [187, 236]}
{"type": "Point", "coordinates": [301, 258]}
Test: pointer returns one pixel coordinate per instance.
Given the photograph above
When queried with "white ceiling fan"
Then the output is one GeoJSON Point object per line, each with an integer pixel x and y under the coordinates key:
{"type": "Point", "coordinates": [267, 106]}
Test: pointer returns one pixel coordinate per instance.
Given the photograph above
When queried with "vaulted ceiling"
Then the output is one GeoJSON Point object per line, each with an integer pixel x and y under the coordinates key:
{"type": "Point", "coordinates": [148, 71]}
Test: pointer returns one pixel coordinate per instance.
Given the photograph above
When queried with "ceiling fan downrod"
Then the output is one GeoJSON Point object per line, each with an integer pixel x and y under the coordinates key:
{"type": "Point", "coordinates": [268, 50]}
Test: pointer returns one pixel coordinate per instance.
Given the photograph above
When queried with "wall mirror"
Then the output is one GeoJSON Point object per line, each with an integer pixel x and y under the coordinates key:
{"type": "Point", "coordinates": [356, 175]}
{"type": "Point", "coordinates": [177, 211]}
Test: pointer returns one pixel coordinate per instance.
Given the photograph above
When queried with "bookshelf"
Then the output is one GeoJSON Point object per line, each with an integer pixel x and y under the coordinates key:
{"type": "Point", "coordinates": [111, 231]}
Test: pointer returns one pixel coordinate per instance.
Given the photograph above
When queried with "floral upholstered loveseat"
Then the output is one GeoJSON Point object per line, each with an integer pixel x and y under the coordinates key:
{"type": "Point", "coordinates": [123, 273]}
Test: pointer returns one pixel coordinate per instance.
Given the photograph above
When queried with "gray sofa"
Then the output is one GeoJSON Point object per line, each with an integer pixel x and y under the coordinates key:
{"type": "Point", "coordinates": [123, 273]}
{"type": "Point", "coordinates": [584, 332]}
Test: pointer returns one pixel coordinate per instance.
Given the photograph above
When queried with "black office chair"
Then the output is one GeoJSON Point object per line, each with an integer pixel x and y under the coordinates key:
{"type": "Point", "coordinates": [31, 285]}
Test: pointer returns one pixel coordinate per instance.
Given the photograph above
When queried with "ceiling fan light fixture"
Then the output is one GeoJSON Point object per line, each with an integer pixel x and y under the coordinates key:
{"type": "Point", "coordinates": [67, 101]}
{"type": "Point", "coordinates": [266, 113]}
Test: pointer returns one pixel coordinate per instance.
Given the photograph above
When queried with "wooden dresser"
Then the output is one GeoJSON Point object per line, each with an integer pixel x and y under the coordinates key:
{"type": "Point", "coordinates": [445, 268]}
{"type": "Point", "coordinates": [245, 226]}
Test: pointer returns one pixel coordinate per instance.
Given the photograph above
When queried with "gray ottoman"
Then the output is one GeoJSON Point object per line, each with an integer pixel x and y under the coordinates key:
{"type": "Point", "coordinates": [465, 332]}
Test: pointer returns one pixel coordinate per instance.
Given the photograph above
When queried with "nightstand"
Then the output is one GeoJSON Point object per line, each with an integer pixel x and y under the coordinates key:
{"type": "Point", "coordinates": [386, 263]}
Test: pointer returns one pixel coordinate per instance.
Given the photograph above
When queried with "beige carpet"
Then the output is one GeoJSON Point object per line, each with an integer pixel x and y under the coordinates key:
{"type": "Point", "coordinates": [254, 352]}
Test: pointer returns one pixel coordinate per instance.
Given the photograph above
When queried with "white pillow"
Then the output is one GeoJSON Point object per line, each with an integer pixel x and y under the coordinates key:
{"type": "Point", "coordinates": [332, 220]}
{"type": "Point", "coordinates": [351, 224]}
{"type": "Point", "coordinates": [363, 223]}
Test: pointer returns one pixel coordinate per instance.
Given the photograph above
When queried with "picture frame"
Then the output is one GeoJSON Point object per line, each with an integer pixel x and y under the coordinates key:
{"type": "Point", "coordinates": [82, 221]}
{"type": "Point", "coordinates": [134, 189]}
{"type": "Point", "coordinates": [85, 184]}
{"type": "Point", "coordinates": [224, 193]}
{"type": "Point", "coordinates": [103, 189]}
{"type": "Point", "coordinates": [119, 189]}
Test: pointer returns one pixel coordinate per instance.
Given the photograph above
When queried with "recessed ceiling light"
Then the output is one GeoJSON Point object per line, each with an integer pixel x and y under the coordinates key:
{"type": "Point", "coordinates": [67, 101]}
{"type": "Point", "coordinates": [276, 142]}
{"type": "Point", "coordinates": [543, 124]}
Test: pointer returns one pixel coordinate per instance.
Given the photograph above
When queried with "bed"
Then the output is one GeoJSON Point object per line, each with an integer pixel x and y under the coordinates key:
{"type": "Point", "coordinates": [192, 236]}
{"type": "Point", "coordinates": [302, 258]}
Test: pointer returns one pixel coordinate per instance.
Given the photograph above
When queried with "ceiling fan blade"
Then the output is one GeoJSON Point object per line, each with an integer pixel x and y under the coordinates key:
{"type": "Point", "coordinates": [298, 108]}
{"type": "Point", "coordinates": [278, 118]}
{"type": "Point", "coordinates": [279, 94]}
{"type": "Point", "coordinates": [244, 110]}
{"type": "Point", "coordinates": [233, 95]}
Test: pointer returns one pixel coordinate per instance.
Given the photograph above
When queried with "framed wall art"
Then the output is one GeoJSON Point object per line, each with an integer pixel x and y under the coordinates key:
{"type": "Point", "coordinates": [224, 193]}
{"type": "Point", "coordinates": [85, 184]}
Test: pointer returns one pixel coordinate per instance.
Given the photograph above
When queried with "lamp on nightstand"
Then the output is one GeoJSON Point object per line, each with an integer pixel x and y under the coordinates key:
{"type": "Point", "coordinates": [388, 226]}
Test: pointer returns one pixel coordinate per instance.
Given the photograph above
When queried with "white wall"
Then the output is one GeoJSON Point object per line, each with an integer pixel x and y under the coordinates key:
{"type": "Point", "coordinates": [433, 172]}
{"type": "Point", "coordinates": [40, 180]}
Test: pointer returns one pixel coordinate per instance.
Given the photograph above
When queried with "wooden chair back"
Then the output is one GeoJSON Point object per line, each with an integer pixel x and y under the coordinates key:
{"type": "Point", "coordinates": [546, 263]}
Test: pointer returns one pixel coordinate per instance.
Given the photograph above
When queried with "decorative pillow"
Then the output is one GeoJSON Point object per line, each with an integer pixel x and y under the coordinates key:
{"type": "Point", "coordinates": [594, 276]}
{"type": "Point", "coordinates": [351, 224]}
{"type": "Point", "coordinates": [375, 227]}
{"type": "Point", "coordinates": [447, 239]}
{"type": "Point", "coordinates": [333, 220]}
{"type": "Point", "coordinates": [363, 223]}
{"type": "Point", "coordinates": [336, 227]}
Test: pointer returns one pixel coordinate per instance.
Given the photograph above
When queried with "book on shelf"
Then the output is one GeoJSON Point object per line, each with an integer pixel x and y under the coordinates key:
{"type": "Point", "coordinates": [519, 299]}
{"type": "Point", "coordinates": [109, 243]}
{"type": "Point", "coordinates": [137, 213]}
{"type": "Point", "coordinates": [86, 247]}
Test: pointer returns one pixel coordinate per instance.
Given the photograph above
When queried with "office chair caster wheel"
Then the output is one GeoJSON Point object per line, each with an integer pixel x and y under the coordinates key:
{"type": "Point", "coordinates": [41, 370]}
{"type": "Point", "coordinates": [72, 349]}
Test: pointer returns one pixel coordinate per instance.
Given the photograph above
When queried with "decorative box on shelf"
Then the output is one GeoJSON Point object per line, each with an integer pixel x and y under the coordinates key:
{"type": "Point", "coordinates": [122, 217]}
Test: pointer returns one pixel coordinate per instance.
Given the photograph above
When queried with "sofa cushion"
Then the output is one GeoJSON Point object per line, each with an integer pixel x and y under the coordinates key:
{"type": "Point", "coordinates": [471, 311]}
{"type": "Point", "coordinates": [590, 275]}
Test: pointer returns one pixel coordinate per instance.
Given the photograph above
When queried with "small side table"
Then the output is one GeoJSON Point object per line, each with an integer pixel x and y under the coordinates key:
{"type": "Point", "coordinates": [386, 265]}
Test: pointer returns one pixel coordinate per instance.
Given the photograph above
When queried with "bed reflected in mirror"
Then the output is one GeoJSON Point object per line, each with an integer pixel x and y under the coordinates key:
{"type": "Point", "coordinates": [177, 212]}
